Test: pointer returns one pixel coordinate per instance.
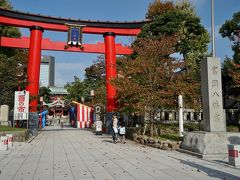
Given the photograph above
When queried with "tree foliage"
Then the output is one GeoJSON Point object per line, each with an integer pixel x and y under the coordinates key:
{"type": "Point", "coordinates": [12, 64]}
{"type": "Point", "coordinates": [169, 19]}
{"type": "Point", "coordinates": [44, 92]}
{"type": "Point", "coordinates": [12, 76]}
{"type": "Point", "coordinates": [231, 68]}
{"type": "Point", "coordinates": [158, 8]}
{"type": "Point", "coordinates": [8, 31]}
{"type": "Point", "coordinates": [153, 79]}
{"type": "Point", "coordinates": [231, 29]}
{"type": "Point", "coordinates": [95, 78]}
{"type": "Point", "coordinates": [5, 4]}
{"type": "Point", "coordinates": [75, 89]}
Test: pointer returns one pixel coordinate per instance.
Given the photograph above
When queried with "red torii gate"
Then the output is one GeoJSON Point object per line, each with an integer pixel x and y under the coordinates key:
{"type": "Point", "coordinates": [38, 23]}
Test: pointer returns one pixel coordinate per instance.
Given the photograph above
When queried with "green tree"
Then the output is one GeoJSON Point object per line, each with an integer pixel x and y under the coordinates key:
{"type": "Point", "coordinates": [231, 30]}
{"type": "Point", "coordinates": [95, 80]}
{"type": "Point", "coordinates": [8, 31]}
{"type": "Point", "coordinates": [75, 89]}
{"type": "Point", "coordinates": [5, 4]}
{"type": "Point", "coordinates": [154, 78]}
{"type": "Point", "coordinates": [157, 8]}
{"type": "Point", "coordinates": [12, 76]}
{"type": "Point", "coordinates": [231, 67]}
{"type": "Point", "coordinates": [152, 81]}
{"type": "Point", "coordinates": [12, 64]}
{"type": "Point", "coordinates": [179, 19]}
{"type": "Point", "coordinates": [44, 92]}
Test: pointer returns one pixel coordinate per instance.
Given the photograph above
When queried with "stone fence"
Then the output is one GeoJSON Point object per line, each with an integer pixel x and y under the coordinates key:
{"type": "Point", "coordinates": [190, 115]}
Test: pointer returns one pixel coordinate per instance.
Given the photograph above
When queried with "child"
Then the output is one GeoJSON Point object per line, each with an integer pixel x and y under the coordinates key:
{"type": "Point", "coordinates": [122, 131]}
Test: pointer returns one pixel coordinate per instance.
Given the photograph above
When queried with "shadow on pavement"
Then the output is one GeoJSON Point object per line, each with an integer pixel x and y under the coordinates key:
{"type": "Point", "coordinates": [210, 172]}
{"type": "Point", "coordinates": [234, 139]}
{"type": "Point", "coordinates": [109, 141]}
{"type": "Point", "coordinates": [104, 136]}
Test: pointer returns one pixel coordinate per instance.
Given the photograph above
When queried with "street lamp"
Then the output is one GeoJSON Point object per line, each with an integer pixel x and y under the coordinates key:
{"type": "Point", "coordinates": [92, 94]}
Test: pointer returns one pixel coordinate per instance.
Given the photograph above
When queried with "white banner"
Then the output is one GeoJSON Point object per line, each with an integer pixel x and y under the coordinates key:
{"type": "Point", "coordinates": [21, 105]}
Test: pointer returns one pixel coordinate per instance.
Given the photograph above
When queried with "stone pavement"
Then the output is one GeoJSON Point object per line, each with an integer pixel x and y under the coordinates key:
{"type": "Point", "coordinates": [79, 154]}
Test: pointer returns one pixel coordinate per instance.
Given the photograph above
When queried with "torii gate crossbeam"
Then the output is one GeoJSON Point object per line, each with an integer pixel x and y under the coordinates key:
{"type": "Point", "coordinates": [47, 44]}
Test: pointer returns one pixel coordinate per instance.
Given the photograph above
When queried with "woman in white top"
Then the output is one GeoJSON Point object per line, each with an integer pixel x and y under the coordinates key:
{"type": "Point", "coordinates": [114, 128]}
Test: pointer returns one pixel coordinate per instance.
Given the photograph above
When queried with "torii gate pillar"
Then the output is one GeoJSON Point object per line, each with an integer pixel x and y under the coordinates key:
{"type": "Point", "coordinates": [34, 61]}
{"type": "Point", "coordinates": [111, 70]}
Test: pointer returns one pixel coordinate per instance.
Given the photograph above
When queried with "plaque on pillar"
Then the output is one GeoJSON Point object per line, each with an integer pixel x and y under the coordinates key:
{"type": "Point", "coordinates": [74, 36]}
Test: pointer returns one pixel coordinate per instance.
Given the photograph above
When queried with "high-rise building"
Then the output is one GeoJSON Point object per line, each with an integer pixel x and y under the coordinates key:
{"type": "Point", "coordinates": [47, 71]}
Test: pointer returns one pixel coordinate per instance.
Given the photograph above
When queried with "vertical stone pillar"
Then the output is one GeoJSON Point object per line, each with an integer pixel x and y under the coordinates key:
{"type": "Point", "coordinates": [162, 115]}
{"type": "Point", "coordinates": [191, 116]}
{"type": "Point", "coordinates": [111, 70]}
{"type": "Point", "coordinates": [213, 119]}
{"type": "Point", "coordinates": [170, 116]}
{"type": "Point", "coordinates": [34, 61]}
{"type": "Point", "coordinates": [4, 113]}
{"type": "Point", "coordinates": [180, 115]}
{"type": "Point", "coordinates": [199, 116]}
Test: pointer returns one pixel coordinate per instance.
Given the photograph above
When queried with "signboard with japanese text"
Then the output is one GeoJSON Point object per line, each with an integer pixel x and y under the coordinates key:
{"type": "Point", "coordinates": [213, 118]}
{"type": "Point", "coordinates": [21, 105]}
{"type": "Point", "coordinates": [74, 35]}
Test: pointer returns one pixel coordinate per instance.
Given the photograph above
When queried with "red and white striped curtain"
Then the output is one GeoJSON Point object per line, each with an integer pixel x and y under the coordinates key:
{"type": "Point", "coordinates": [84, 116]}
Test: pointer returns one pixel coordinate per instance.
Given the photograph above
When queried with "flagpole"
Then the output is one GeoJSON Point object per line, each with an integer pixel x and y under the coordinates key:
{"type": "Point", "coordinates": [213, 30]}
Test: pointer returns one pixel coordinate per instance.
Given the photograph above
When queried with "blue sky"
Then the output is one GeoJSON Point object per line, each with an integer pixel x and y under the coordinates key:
{"type": "Point", "coordinates": [70, 64]}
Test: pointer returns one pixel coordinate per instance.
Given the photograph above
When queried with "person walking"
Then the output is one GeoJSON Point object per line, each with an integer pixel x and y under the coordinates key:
{"type": "Point", "coordinates": [114, 128]}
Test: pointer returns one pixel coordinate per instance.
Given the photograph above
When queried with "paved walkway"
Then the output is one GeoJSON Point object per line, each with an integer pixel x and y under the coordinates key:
{"type": "Point", "coordinates": [79, 154]}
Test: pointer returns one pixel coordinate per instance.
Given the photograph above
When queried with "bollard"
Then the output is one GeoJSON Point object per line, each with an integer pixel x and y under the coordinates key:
{"type": "Point", "coordinates": [180, 115]}
{"type": "Point", "coordinates": [98, 127]}
{"type": "Point", "coordinates": [10, 140]}
{"type": "Point", "coordinates": [234, 155]}
{"type": "Point", "coordinates": [4, 143]}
